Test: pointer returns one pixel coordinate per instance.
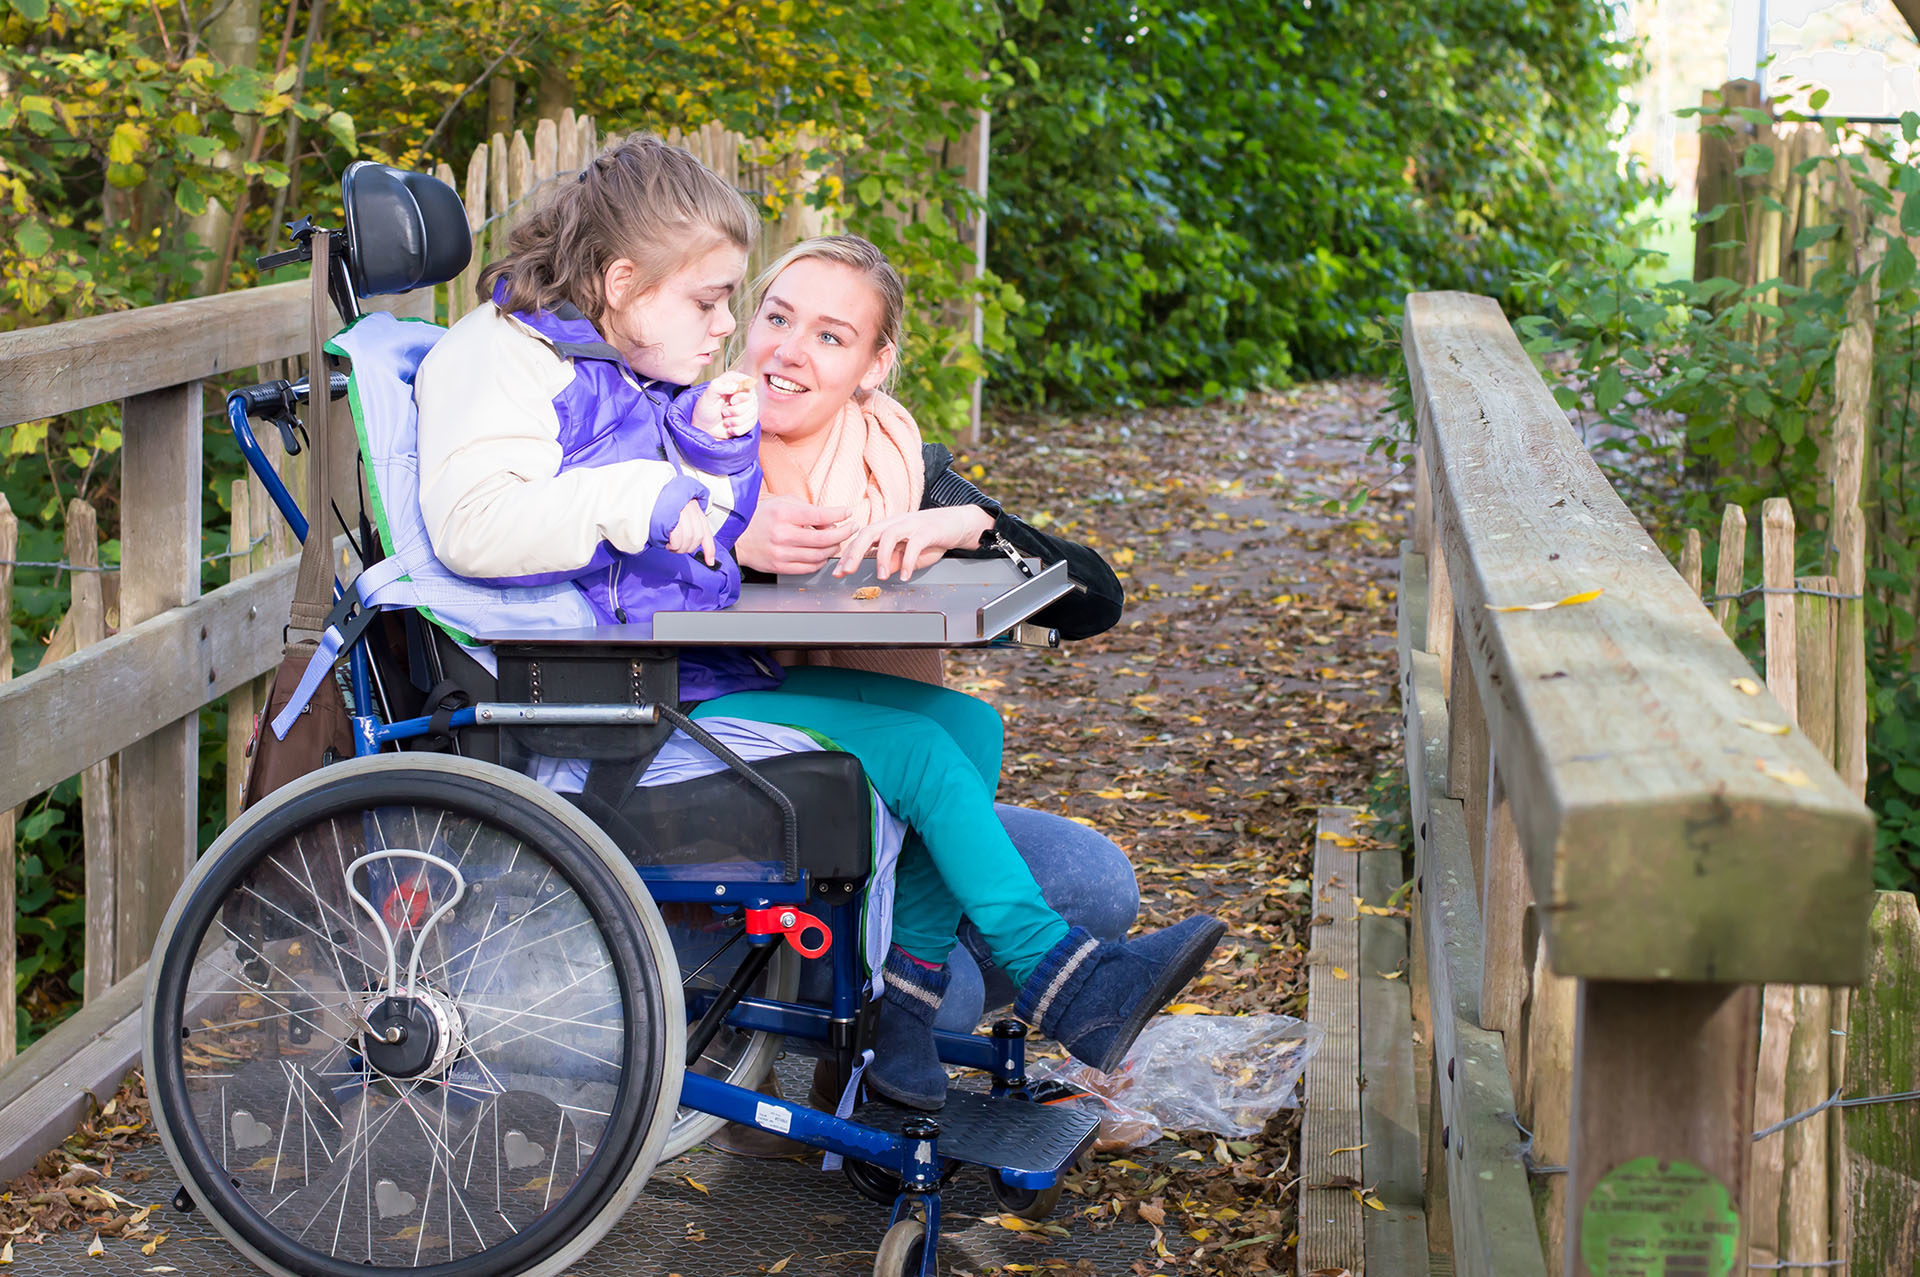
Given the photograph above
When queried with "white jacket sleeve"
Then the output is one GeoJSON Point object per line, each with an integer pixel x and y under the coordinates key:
{"type": "Point", "coordinates": [491, 491]}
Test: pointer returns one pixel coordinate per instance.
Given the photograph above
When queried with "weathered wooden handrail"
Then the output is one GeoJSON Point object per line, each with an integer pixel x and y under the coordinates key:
{"type": "Point", "coordinates": [1670, 840]}
{"type": "Point", "coordinates": [65, 367]}
{"type": "Point", "coordinates": [1615, 842]}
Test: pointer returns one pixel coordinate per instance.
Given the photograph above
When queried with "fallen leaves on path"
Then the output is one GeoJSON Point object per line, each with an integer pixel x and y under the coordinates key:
{"type": "Point", "coordinates": [1249, 684]}
{"type": "Point", "coordinates": [64, 1190]}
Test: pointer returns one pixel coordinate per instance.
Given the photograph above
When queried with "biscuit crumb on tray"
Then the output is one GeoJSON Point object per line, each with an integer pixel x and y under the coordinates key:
{"type": "Point", "coordinates": [867, 592]}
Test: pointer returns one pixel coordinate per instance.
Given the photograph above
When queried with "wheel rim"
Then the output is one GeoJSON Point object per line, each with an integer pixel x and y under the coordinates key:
{"type": "Point", "coordinates": [487, 1149]}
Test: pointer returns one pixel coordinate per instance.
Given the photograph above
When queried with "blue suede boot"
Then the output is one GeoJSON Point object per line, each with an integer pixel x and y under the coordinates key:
{"type": "Point", "coordinates": [1094, 997]}
{"type": "Point", "coordinates": [906, 1065]}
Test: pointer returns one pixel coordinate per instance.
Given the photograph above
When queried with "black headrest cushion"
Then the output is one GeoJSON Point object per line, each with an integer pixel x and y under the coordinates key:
{"type": "Point", "coordinates": [404, 230]}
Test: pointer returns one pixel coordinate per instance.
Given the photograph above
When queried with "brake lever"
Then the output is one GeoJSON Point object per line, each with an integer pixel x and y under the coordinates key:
{"type": "Point", "coordinates": [289, 438]}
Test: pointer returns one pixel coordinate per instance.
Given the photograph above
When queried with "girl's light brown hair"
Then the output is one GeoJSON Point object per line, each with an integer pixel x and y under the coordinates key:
{"type": "Point", "coordinates": [860, 255]}
{"type": "Point", "coordinates": [639, 199]}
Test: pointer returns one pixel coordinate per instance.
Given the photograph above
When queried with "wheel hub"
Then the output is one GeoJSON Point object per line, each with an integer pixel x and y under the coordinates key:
{"type": "Point", "coordinates": [412, 1034]}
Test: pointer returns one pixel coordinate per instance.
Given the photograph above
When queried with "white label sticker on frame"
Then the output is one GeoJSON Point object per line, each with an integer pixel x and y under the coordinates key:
{"type": "Point", "coordinates": [772, 1118]}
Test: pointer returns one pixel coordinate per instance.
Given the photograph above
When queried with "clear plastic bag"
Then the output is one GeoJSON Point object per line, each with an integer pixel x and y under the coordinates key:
{"type": "Point", "coordinates": [1222, 1073]}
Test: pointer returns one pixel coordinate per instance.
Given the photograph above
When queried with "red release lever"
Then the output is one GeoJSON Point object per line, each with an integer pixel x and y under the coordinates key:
{"type": "Point", "coordinates": [793, 923]}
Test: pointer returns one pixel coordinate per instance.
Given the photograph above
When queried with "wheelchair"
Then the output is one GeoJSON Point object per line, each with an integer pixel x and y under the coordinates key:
{"type": "Point", "coordinates": [416, 1011]}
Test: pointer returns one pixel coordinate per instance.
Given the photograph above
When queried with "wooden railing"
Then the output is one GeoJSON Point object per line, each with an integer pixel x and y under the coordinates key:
{"type": "Point", "coordinates": [136, 696]}
{"type": "Point", "coordinates": [1616, 843]}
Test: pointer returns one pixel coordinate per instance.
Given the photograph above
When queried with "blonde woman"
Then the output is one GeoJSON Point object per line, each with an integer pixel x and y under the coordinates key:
{"type": "Point", "coordinates": [846, 473]}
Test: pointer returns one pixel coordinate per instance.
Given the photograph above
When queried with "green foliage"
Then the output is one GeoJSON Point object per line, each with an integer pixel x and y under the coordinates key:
{"type": "Point", "coordinates": [50, 878]}
{"type": "Point", "coordinates": [1694, 395]}
{"type": "Point", "coordinates": [115, 128]}
{"type": "Point", "coordinates": [1194, 199]}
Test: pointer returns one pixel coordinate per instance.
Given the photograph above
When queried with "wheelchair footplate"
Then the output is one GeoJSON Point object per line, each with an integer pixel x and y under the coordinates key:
{"type": "Point", "coordinates": [1027, 1145]}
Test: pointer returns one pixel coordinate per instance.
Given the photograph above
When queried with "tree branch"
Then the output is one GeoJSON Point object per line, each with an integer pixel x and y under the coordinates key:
{"type": "Point", "coordinates": [426, 147]}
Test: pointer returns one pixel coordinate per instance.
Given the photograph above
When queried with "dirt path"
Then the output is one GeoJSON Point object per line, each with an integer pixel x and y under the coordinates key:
{"type": "Point", "coordinates": [1250, 683]}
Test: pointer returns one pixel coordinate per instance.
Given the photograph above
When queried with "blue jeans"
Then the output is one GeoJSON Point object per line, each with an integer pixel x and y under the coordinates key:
{"type": "Point", "coordinates": [1082, 875]}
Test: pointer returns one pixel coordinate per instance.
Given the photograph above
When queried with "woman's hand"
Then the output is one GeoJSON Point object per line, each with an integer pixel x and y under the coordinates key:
{"type": "Point", "coordinates": [692, 533]}
{"type": "Point", "coordinates": [787, 535]}
{"type": "Point", "coordinates": [729, 408]}
{"type": "Point", "coordinates": [908, 542]}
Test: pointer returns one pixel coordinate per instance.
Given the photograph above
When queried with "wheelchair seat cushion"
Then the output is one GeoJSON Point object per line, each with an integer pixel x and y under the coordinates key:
{"type": "Point", "coordinates": [719, 828]}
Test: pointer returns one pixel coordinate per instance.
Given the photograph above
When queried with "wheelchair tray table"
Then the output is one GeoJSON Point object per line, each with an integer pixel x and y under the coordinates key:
{"type": "Point", "coordinates": [953, 603]}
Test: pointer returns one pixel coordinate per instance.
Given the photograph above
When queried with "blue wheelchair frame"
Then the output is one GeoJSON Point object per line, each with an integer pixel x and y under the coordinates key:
{"type": "Point", "coordinates": [913, 1155]}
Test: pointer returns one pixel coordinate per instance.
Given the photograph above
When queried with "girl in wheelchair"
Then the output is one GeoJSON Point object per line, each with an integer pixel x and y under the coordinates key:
{"type": "Point", "coordinates": [559, 441]}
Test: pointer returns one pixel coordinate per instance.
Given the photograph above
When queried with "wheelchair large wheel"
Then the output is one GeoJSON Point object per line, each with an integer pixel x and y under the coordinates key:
{"type": "Point", "coordinates": [710, 947]}
{"type": "Point", "coordinates": [414, 1013]}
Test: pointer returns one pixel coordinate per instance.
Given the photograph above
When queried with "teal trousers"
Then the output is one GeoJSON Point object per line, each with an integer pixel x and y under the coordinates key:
{"type": "Point", "coordinates": [933, 756]}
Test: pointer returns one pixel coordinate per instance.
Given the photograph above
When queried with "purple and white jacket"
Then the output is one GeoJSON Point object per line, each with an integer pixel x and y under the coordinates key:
{"type": "Point", "coordinates": [543, 458]}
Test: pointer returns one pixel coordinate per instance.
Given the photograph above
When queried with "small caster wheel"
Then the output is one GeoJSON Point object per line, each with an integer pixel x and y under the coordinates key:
{"type": "Point", "coordinates": [1026, 1203]}
{"type": "Point", "coordinates": [183, 1200]}
{"type": "Point", "coordinates": [902, 1251]}
{"type": "Point", "coordinates": [872, 1183]}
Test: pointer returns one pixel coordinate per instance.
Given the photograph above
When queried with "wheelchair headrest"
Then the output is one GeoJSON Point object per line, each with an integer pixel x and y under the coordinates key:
{"type": "Point", "coordinates": [404, 230]}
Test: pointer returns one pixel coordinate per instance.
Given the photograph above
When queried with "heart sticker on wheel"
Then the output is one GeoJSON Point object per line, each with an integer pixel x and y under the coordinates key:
{"type": "Point", "coordinates": [247, 1133]}
{"type": "Point", "coordinates": [522, 1151]}
{"type": "Point", "coordinates": [390, 1200]}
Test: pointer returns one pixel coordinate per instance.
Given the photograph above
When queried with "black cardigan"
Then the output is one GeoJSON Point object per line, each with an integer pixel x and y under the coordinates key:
{"type": "Point", "coordinates": [1092, 609]}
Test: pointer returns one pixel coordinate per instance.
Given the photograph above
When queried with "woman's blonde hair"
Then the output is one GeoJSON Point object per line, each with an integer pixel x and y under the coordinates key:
{"type": "Point", "coordinates": [860, 255]}
{"type": "Point", "coordinates": [639, 199]}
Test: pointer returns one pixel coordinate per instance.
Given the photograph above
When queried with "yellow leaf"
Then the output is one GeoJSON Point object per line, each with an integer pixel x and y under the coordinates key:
{"type": "Point", "coordinates": [1339, 973]}
{"type": "Point", "coordinates": [153, 1245]}
{"type": "Point", "coordinates": [695, 1184]}
{"type": "Point", "coordinates": [781, 1267]}
{"type": "Point", "coordinates": [1355, 1149]}
{"type": "Point", "coordinates": [1374, 1202]}
{"type": "Point", "coordinates": [1770, 729]}
{"type": "Point", "coordinates": [1585, 596]}
{"type": "Point", "coordinates": [6, 1252]}
{"type": "Point", "coordinates": [1785, 775]}
{"type": "Point", "coordinates": [1378, 911]}
{"type": "Point", "coordinates": [1391, 975]}
{"type": "Point", "coordinates": [1746, 685]}
{"type": "Point", "coordinates": [1012, 1223]}
{"type": "Point", "coordinates": [1338, 840]}
{"type": "Point", "coordinates": [1124, 1163]}
{"type": "Point", "coordinates": [1108, 793]}
{"type": "Point", "coordinates": [96, 1248]}
{"type": "Point", "coordinates": [1189, 1008]}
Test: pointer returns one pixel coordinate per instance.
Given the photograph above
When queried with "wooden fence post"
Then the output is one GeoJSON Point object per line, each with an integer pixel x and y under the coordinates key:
{"type": "Point", "coordinates": [9, 550]}
{"type": "Point", "coordinates": [1731, 572]}
{"type": "Point", "coordinates": [241, 706]}
{"type": "Point", "coordinates": [1883, 1140]}
{"type": "Point", "coordinates": [87, 614]}
{"type": "Point", "coordinates": [1690, 559]}
{"type": "Point", "coordinates": [1779, 1005]}
{"type": "Point", "coordinates": [1776, 576]}
{"type": "Point", "coordinates": [1649, 1141]}
{"type": "Point", "coordinates": [1806, 1214]}
{"type": "Point", "coordinates": [158, 826]}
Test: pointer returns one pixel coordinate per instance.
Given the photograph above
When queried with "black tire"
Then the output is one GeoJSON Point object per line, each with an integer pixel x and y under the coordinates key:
{"type": "Point", "coordinates": [876, 1185]}
{"type": "Point", "coordinates": [535, 1023]}
{"type": "Point", "coordinates": [1026, 1203]}
{"type": "Point", "coordinates": [902, 1251]}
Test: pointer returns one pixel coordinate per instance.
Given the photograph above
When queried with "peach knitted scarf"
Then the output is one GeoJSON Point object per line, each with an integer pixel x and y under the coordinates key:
{"type": "Point", "coordinates": [870, 463]}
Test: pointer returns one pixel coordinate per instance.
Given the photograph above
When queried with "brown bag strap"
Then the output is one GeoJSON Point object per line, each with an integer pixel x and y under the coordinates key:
{"type": "Point", "coordinates": [313, 591]}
